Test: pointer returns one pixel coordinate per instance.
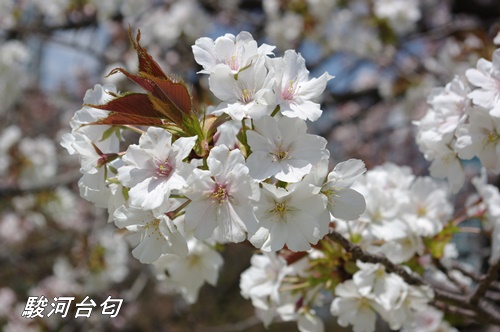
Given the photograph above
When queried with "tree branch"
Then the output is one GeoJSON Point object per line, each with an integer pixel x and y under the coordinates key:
{"type": "Point", "coordinates": [484, 311]}
{"type": "Point", "coordinates": [485, 282]}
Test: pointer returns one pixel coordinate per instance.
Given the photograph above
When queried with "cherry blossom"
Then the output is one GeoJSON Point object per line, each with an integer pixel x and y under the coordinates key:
{"type": "Point", "coordinates": [159, 235]}
{"type": "Point", "coordinates": [294, 217]}
{"type": "Point", "coordinates": [294, 90]}
{"type": "Point", "coordinates": [283, 149]}
{"type": "Point", "coordinates": [220, 197]}
{"type": "Point", "coordinates": [154, 167]}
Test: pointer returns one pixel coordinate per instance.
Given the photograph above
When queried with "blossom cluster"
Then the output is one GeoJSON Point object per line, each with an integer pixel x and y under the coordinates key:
{"type": "Point", "coordinates": [269, 185]}
{"type": "Point", "coordinates": [181, 181]}
{"type": "Point", "coordinates": [463, 122]}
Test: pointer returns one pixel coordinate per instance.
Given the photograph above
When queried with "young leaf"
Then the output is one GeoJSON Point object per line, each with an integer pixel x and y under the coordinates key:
{"type": "Point", "coordinates": [118, 119]}
{"type": "Point", "coordinates": [146, 62]}
{"type": "Point", "coordinates": [131, 103]}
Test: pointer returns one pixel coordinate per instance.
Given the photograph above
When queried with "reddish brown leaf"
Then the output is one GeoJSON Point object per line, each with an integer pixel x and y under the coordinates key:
{"type": "Point", "coordinates": [146, 62]}
{"type": "Point", "coordinates": [131, 103]}
{"type": "Point", "coordinates": [144, 83]}
{"type": "Point", "coordinates": [175, 90]}
{"type": "Point", "coordinates": [172, 92]}
{"type": "Point", "coordinates": [117, 119]}
{"type": "Point", "coordinates": [167, 109]}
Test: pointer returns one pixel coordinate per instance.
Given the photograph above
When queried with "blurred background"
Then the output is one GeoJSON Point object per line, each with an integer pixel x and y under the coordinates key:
{"type": "Point", "coordinates": [387, 55]}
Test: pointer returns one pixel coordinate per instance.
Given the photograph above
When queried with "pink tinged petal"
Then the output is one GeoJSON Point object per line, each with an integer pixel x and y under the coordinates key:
{"type": "Point", "coordinates": [202, 217]}
{"type": "Point", "coordinates": [204, 53]}
{"type": "Point", "coordinates": [233, 228]}
{"type": "Point", "coordinates": [484, 98]}
{"type": "Point", "coordinates": [246, 214]}
{"type": "Point", "coordinates": [218, 159]}
{"type": "Point", "coordinates": [225, 48]}
{"type": "Point", "coordinates": [292, 170]}
{"type": "Point", "coordinates": [138, 157]}
{"type": "Point", "coordinates": [300, 232]}
{"type": "Point", "coordinates": [259, 238]}
{"type": "Point", "coordinates": [294, 66]}
{"type": "Point", "coordinates": [291, 129]}
{"type": "Point", "coordinates": [476, 77]}
{"type": "Point", "coordinates": [223, 85]}
{"type": "Point", "coordinates": [148, 250]}
{"type": "Point", "coordinates": [199, 184]}
{"type": "Point", "coordinates": [348, 171]}
{"type": "Point", "coordinates": [130, 176]}
{"type": "Point", "coordinates": [488, 156]}
{"type": "Point", "coordinates": [268, 128]}
{"type": "Point", "coordinates": [278, 234]}
{"type": "Point", "coordinates": [348, 204]}
{"type": "Point", "coordinates": [314, 87]}
{"type": "Point", "coordinates": [149, 194]}
{"type": "Point", "coordinates": [184, 145]}
{"type": "Point", "coordinates": [311, 148]}
{"type": "Point", "coordinates": [155, 138]}
{"type": "Point", "coordinates": [177, 244]}
{"type": "Point", "coordinates": [124, 217]}
{"type": "Point", "coordinates": [261, 166]}
{"type": "Point", "coordinates": [258, 142]}
{"type": "Point", "coordinates": [177, 180]}
{"type": "Point", "coordinates": [306, 110]}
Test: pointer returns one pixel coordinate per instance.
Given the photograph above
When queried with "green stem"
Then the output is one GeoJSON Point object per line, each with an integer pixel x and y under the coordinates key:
{"type": "Point", "coordinates": [276, 110]}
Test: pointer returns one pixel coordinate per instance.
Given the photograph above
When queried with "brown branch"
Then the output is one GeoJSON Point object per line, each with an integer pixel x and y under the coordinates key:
{"type": "Point", "coordinates": [484, 311]}
{"type": "Point", "coordinates": [474, 276]}
{"type": "Point", "coordinates": [358, 253]}
{"type": "Point", "coordinates": [458, 284]}
{"type": "Point", "coordinates": [485, 282]}
{"type": "Point", "coordinates": [454, 310]}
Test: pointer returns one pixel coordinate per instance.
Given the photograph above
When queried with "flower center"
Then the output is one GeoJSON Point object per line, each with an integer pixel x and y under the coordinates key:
{"type": "Point", "coordinates": [163, 168]}
{"type": "Point", "coordinates": [233, 63]}
{"type": "Point", "coordinates": [219, 195]}
{"type": "Point", "coordinates": [288, 93]}
{"type": "Point", "coordinates": [493, 137]}
{"type": "Point", "coordinates": [280, 153]}
{"type": "Point", "coordinates": [280, 209]}
{"type": "Point", "coordinates": [154, 228]}
{"type": "Point", "coordinates": [247, 95]}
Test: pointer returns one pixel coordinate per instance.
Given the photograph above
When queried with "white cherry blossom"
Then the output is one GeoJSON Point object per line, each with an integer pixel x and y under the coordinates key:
{"type": "Point", "coordinates": [294, 217]}
{"type": "Point", "coordinates": [248, 94]}
{"type": "Point", "coordinates": [188, 274]}
{"type": "Point", "coordinates": [294, 90]}
{"type": "Point", "coordinates": [352, 308]}
{"type": "Point", "coordinates": [343, 201]}
{"type": "Point", "coordinates": [159, 235]}
{"type": "Point", "coordinates": [221, 196]}
{"type": "Point", "coordinates": [283, 149]}
{"type": "Point", "coordinates": [481, 138]}
{"type": "Point", "coordinates": [233, 52]}
{"type": "Point", "coordinates": [154, 167]}
{"type": "Point", "coordinates": [487, 78]}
